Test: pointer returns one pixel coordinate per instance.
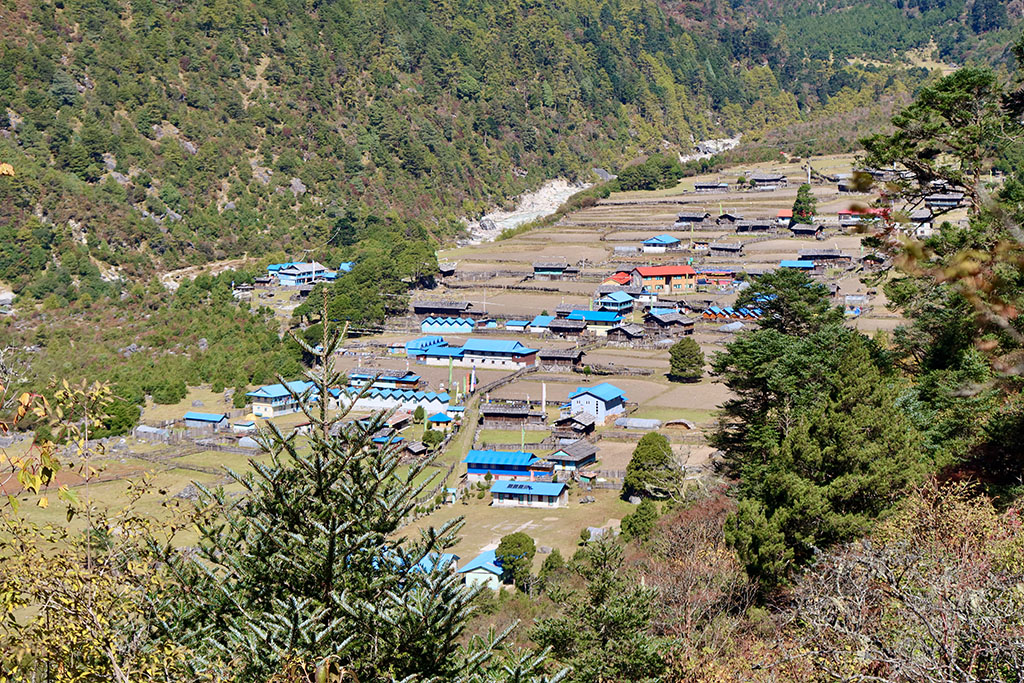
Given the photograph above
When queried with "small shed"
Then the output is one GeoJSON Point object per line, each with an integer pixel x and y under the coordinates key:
{"type": "Point", "coordinates": [574, 456]}
{"type": "Point", "coordinates": [214, 422]}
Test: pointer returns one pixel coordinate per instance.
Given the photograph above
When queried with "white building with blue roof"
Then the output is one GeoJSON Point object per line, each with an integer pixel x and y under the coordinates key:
{"type": "Point", "coordinates": [659, 244]}
{"type": "Point", "coordinates": [275, 400]}
{"type": "Point", "coordinates": [447, 325]}
{"type": "Point", "coordinates": [483, 570]}
{"type": "Point", "coordinates": [601, 400]}
{"type": "Point", "coordinates": [207, 421]}
{"type": "Point", "coordinates": [481, 353]}
{"type": "Point", "coordinates": [529, 494]}
{"type": "Point", "coordinates": [508, 465]}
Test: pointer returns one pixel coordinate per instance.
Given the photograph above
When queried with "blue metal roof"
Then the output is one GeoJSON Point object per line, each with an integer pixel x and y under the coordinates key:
{"type": "Point", "coordinates": [282, 390]}
{"type": "Point", "coordinates": [604, 391]}
{"type": "Point", "coordinates": [542, 320]}
{"type": "Point", "coordinates": [499, 458]}
{"type": "Point", "coordinates": [661, 239]}
{"type": "Point", "coordinates": [596, 316]}
{"type": "Point", "coordinates": [442, 351]}
{"type": "Point", "coordinates": [528, 488]}
{"type": "Point", "coordinates": [205, 417]}
{"type": "Point", "coordinates": [346, 266]}
{"type": "Point", "coordinates": [424, 342]}
{"type": "Point", "coordinates": [439, 418]}
{"type": "Point", "coordinates": [439, 561]}
{"type": "Point", "coordinates": [804, 265]}
{"type": "Point", "coordinates": [274, 267]}
{"type": "Point", "coordinates": [386, 375]}
{"type": "Point", "coordinates": [487, 561]}
{"type": "Point", "coordinates": [508, 346]}
{"type": "Point", "coordinates": [388, 439]}
{"type": "Point", "coordinates": [618, 297]}
{"type": "Point", "coordinates": [403, 394]}
{"type": "Point", "coordinates": [431, 320]}
{"type": "Point", "coordinates": [517, 323]}
{"type": "Point", "coordinates": [662, 311]}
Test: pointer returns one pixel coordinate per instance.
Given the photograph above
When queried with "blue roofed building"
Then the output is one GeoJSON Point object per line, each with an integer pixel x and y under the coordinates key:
{"type": "Point", "coordinates": [533, 494]}
{"type": "Point", "coordinates": [601, 400]}
{"type": "Point", "coordinates": [274, 400]}
{"type": "Point", "coordinates": [386, 399]}
{"type": "Point", "coordinates": [213, 422]}
{"type": "Point", "coordinates": [483, 570]}
{"type": "Point", "coordinates": [346, 267]}
{"type": "Point", "coordinates": [508, 465]}
{"type": "Point", "coordinates": [447, 325]}
{"type": "Point", "coordinates": [797, 264]}
{"type": "Point", "coordinates": [616, 302]}
{"type": "Point", "coordinates": [659, 244]}
{"type": "Point", "coordinates": [517, 325]}
{"type": "Point", "coordinates": [416, 347]}
{"type": "Point", "coordinates": [540, 323]}
{"type": "Point", "coordinates": [598, 322]}
{"type": "Point", "coordinates": [381, 378]}
{"type": "Point", "coordinates": [297, 274]}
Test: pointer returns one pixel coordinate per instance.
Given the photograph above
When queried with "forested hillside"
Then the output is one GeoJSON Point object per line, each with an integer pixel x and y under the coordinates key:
{"type": "Point", "coordinates": [150, 135]}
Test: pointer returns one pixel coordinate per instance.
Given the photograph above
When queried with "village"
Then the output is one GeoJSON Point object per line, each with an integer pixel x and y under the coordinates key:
{"type": "Point", "coordinates": [527, 375]}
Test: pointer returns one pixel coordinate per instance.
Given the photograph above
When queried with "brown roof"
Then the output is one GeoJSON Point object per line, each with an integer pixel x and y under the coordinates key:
{"type": "Point", "coordinates": [629, 329]}
{"type": "Point", "coordinates": [574, 452]}
{"type": "Point", "coordinates": [560, 354]}
{"type": "Point", "coordinates": [508, 409]}
{"type": "Point", "coordinates": [582, 418]}
{"type": "Point", "coordinates": [566, 324]}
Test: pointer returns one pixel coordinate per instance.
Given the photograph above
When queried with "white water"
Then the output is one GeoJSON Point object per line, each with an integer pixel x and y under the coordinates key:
{"type": "Point", "coordinates": [529, 207]}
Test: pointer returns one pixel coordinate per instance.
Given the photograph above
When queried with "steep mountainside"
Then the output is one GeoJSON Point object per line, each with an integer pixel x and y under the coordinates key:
{"type": "Point", "coordinates": [149, 134]}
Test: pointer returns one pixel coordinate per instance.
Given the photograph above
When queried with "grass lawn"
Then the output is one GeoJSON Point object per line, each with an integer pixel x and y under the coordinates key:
{"type": "Point", "coordinates": [503, 436]}
{"type": "Point", "coordinates": [212, 403]}
{"type": "Point", "coordinates": [558, 528]}
{"type": "Point", "coordinates": [664, 414]}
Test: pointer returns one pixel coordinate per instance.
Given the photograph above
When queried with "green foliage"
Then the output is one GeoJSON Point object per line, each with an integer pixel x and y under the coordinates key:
{"type": "Point", "coordinates": [432, 437]}
{"type": "Point", "coordinates": [418, 415]}
{"type": "Point", "coordinates": [843, 456]}
{"type": "Point", "coordinates": [639, 523]}
{"type": "Point", "coordinates": [656, 173]}
{"type": "Point", "coordinates": [686, 361]}
{"type": "Point", "coordinates": [239, 398]}
{"type": "Point", "coordinates": [806, 205]}
{"type": "Point", "coordinates": [652, 471]}
{"type": "Point", "coordinates": [792, 303]}
{"type": "Point", "coordinates": [515, 555]}
{"type": "Point", "coordinates": [604, 631]}
{"type": "Point", "coordinates": [553, 564]}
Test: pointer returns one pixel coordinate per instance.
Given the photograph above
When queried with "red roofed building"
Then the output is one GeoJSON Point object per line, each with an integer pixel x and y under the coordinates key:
{"type": "Point", "coordinates": [664, 279]}
{"type": "Point", "coordinates": [620, 277]}
{"type": "Point", "coordinates": [784, 216]}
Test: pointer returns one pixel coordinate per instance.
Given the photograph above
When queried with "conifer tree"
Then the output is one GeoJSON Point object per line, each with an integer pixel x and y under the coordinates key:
{"type": "Point", "coordinates": [304, 572]}
{"type": "Point", "coordinates": [846, 460]}
{"type": "Point", "coordinates": [686, 361]}
{"type": "Point", "coordinates": [651, 471]}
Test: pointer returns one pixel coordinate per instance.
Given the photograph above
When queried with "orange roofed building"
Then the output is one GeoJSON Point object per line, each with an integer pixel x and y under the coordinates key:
{"type": "Point", "coordinates": [620, 277]}
{"type": "Point", "coordinates": [664, 279]}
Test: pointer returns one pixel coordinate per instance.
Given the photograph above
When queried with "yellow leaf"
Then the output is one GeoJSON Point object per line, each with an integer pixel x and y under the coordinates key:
{"type": "Point", "coordinates": [43, 502]}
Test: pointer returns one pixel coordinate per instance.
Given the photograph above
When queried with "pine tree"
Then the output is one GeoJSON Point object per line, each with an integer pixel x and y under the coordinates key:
{"type": "Point", "coordinates": [686, 361]}
{"type": "Point", "coordinates": [304, 571]}
{"type": "Point", "coordinates": [844, 462]}
{"type": "Point", "coordinates": [515, 553]}
{"type": "Point", "coordinates": [639, 523]}
{"type": "Point", "coordinates": [604, 632]}
{"type": "Point", "coordinates": [791, 302]}
{"type": "Point", "coordinates": [805, 206]}
{"type": "Point", "coordinates": [651, 471]}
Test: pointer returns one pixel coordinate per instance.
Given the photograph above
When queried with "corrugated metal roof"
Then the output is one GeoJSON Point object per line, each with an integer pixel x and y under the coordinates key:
{"type": "Point", "coordinates": [478, 457]}
{"type": "Point", "coordinates": [282, 390]}
{"type": "Point", "coordinates": [487, 561]}
{"type": "Point", "coordinates": [497, 346]}
{"type": "Point", "coordinates": [528, 488]}
{"type": "Point", "coordinates": [205, 417]}
{"type": "Point", "coordinates": [595, 316]}
{"type": "Point", "coordinates": [604, 391]}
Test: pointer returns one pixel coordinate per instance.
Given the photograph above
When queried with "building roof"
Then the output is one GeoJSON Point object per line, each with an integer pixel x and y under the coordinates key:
{"type": "Point", "coordinates": [402, 394]}
{"type": "Point", "coordinates": [692, 215]}
{"type": "Point", "coordinates": [498, 458]}
{"type": "Point", "coordinates": [621, 276]}
{"type": "Point", "coordinates": [550, 265]}
{"type": "Point", "coordinates": [486, 561]}
{"type": "Point", "coordinates": [669, 318]}
{"type": "Point", "coordinates": [438, 561]}
{"type": "Point", "coordinates": [810, 254]}
{"type": "Point", "coordinates": [382, 374]}
{"type": "Point", "coordinates": [604, 391]}
{"type": "Point", "coordinates": [439, 418]}
{"type": "Point", "coordinates": [654, 271]}
{"type": "Point", "coordinates": [629, 329]}
{"type": "Point", "coordinates": [662, 239]}
{"type": "Point", "coordinates": [205, 417]}
{"type": "Point", "coordinates": [784, 213]}
{"type": "Point", "coordinates": [595, 316]}
{"type": "Point", "coordinates": [805, 227]}
{"type": "Point", "coordinates": [274, 267]}
{"type": "Point", "coordinates": [303, 268]}
{"type": "Point", "coordinates": [617, 297]}
{"type": "Point", "coordinates": [298, 387]}
{"type": "Point", "coordinates": [583, 418]}
{"type": "Point", "coordinates": [448, 320]}
{"type": "Point", "coordinates": [508, 409]}
{"type": "Point", "coordinates": [766, 177]}
{"type": "Point", "coordinates": [528, 488]}
{"type": "Point", "coordinates": [541, 320]}
{"type": "Point", "coordinates": [567, 324]}
{"type": "Point", "coordinates": [442, 351]}
{"type": "Point", "coordinates": [447, 304]}
{"type": "Point", "coordinates": [727, 246]}
{"type": "Point", "coordinates": [424, 342]}
{"type": "Point", "coordinates": [560, 354]}
{"type": "Point", "coordinates": [516, 323]}
{"type": "Point", "coordinates": [575, 451]}
{"type": "Point", "coordinates": [506, 346]}
{"type": "Point", "coordinates": [791, 263]}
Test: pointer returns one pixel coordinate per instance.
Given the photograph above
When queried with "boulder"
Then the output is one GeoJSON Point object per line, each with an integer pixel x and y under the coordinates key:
{"type": "Point", "coordinates": [634, 500]}
{"type": "Point", "coordinates": [203, 344]}
{"type": "Point", "coordinates": [544, 550]}
{"type": "Point", "coordinates": [297, 187]}
{"type": "Point", "coordinates": [197, 403]}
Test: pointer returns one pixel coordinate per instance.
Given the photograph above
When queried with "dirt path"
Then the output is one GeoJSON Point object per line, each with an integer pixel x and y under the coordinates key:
{"type": "Point", "coordinates": [172, 279]}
